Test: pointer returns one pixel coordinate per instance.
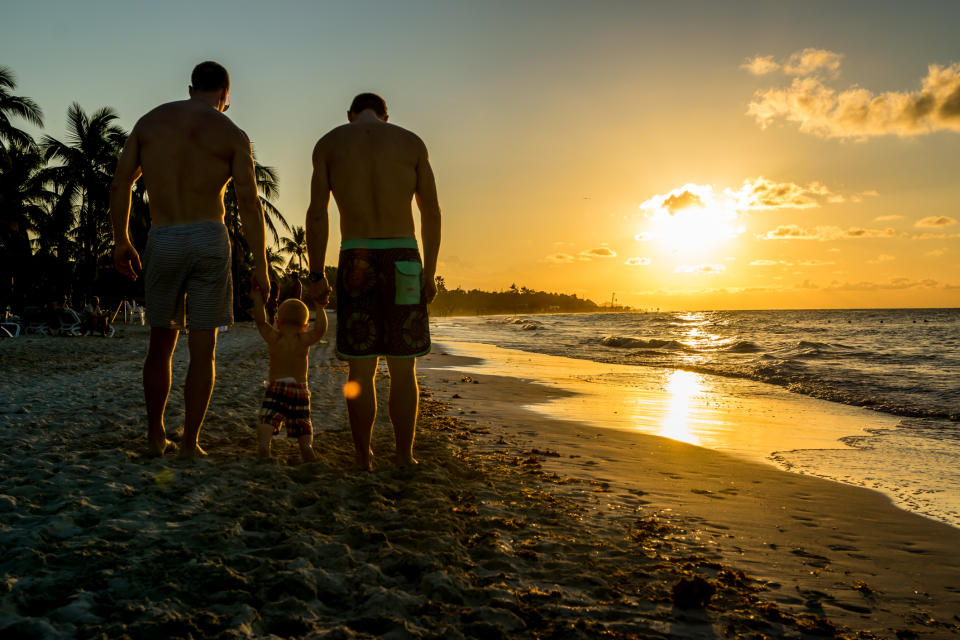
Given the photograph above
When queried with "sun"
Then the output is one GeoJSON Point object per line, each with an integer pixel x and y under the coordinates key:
{"type": "Point", "coordinates": [690, 221]}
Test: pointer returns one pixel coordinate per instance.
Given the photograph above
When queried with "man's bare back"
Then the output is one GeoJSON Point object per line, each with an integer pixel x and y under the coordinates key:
{"type": "Point", "coordinates": [373, 173]}
{"type": "Point", "coordinates": [186, 152]}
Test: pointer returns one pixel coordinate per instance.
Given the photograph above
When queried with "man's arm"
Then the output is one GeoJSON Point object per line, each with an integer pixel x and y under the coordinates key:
{"type": "Point", "coordinates": [427, 202]}
{"type": "Point", "coordinates": [260, 317]}
{"type": "Point", "coordinates": [251, 211]}
{"type": "Point", "coordinates": [125, 257]}
{"type": "Point", "coordinates": [319, 328]}
{"type": "Point", "coordinates": [318, 226]}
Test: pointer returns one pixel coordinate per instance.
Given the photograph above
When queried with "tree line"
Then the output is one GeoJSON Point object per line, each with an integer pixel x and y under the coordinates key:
{"type": "Point", "coordinates": [514, 300]}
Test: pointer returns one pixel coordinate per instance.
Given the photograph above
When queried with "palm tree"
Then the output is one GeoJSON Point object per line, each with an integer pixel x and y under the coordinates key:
{"type": "Point", "coordinates": [296, 246]}
{"type": "Point", "coordinates": [24, 201]}
{"type": "Point", "coordinates": [18, 107]}
{"type": "Point", "coordinates": [87, 161]}
{"type": "Point", "coordinates": [274, 264]}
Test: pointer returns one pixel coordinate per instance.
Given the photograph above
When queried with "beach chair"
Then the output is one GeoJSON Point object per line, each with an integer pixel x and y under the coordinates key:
{"type": "Point", "coordinates": [35, 322]}
{"type": "Point", "coordinates": [70, 324]}
{"type": "Point", "coordinates": [135, 312]}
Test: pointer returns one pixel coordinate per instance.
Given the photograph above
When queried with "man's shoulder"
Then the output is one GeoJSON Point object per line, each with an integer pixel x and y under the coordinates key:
{"type": "Point", "coordinates": [335, 134]}
{"type": "Point", "coordinates": [409, 138]}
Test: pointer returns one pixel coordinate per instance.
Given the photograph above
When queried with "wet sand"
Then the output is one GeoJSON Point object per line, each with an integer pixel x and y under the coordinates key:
{"type": "Point", "coordinates": [514, 525]}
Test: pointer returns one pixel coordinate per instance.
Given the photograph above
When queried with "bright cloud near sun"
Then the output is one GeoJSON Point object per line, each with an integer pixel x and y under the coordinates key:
{"type": "Point", "coordinates": [691, 218]}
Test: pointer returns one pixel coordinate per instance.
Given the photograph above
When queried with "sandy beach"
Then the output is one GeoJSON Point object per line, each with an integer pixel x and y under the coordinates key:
{"type": "Point", "coordinates": [514, 525]}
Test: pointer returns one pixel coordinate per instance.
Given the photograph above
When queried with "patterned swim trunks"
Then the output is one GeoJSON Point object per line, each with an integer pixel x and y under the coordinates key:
{"type": "Point", "coordinates": [287, 401]}
{"type": "Point", "coordinates": [186, 274]}
{"type": "Point", "coordinates": [380, 305]}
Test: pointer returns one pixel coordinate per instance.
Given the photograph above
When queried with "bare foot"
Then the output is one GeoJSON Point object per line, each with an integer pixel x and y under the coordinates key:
{"type": "Point", "coordinates": [188, 452]}
{"type": "Point", "coordinates": [156, 449]}
{"type": "Point", "coordinates": [364, 463]}
{"type": "Point", "coordinates": [309, 455]}
{"type": "Point", "coordinates": [405, 461]}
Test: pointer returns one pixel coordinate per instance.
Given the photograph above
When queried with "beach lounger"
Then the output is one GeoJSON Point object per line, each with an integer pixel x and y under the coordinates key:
{"type": "Point", "coordinates": [10, 329]}
{"type": "Point", "coordinates": [35, 322]}
{"type": "Point", "coordinates": [70, 324]}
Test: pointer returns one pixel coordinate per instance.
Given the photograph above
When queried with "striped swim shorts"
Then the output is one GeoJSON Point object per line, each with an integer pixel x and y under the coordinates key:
{"type": "Point", "coordinates": [186, 269]}
{"type": "Point", "coordinates": [287, 402]}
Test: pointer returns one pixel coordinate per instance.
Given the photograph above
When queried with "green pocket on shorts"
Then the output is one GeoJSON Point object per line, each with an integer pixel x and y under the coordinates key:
{"type": "Point", "coordinates": [407, 275]}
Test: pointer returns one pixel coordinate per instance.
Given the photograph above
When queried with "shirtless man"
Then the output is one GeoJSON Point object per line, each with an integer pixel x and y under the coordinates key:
{"type": "Point", "coordinates": [187, 152]}
{"type": "Point", "coordinates": [375, 170]}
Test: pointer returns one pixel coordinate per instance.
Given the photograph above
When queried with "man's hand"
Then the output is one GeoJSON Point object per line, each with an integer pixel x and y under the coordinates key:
{"type": "Point", "coordinates": [429, 289]}
{"type": "Point", "coordinates": [320, 290]}
{"type": "Point", "coordinates": [126, 259]}
{"type": "Point", "coordinates": [260, 282]}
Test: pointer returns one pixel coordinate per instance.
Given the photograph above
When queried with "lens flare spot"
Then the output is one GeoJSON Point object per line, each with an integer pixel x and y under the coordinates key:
{"type": "Point", "coordinates": [351, 390]}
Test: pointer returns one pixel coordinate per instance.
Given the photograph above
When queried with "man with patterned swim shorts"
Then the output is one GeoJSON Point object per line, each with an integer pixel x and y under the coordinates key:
{"type": "Point", "coordinates": [375, 170]}
{"type": "Point", "coordinates": [187, 152]}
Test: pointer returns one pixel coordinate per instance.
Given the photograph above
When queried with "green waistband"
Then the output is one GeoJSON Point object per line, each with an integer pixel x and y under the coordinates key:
{"type": "Point", "coordinates": [378, 243]}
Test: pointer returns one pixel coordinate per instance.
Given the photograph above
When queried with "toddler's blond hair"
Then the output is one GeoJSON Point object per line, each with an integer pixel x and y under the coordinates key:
{"type": "Point", "coordinates": [293, 312]}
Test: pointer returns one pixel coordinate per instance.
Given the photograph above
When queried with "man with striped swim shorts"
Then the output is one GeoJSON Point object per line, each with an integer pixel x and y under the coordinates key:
{"type": "Point", "coordinates": [187, 152]}
{"type": "Point", "coordinates": [375, 170]}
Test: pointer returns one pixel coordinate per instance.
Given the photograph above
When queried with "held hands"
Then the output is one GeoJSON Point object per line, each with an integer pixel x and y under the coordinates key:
{"type": "Point", "coordinates": [320, 290]}
{"type": "Point", "coordinates": [429, 289]}
{"type": "Point", "coordinates": [126, 259]}
{"type": "Point", "coordinates": [260, 283]}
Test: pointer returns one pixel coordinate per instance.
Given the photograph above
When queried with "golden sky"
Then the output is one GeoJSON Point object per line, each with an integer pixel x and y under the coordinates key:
{"type": "Point", "coordinates": [688, 155]}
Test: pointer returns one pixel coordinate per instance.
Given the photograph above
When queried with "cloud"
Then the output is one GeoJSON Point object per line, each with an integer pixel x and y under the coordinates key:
{"type": "Point", "coordinates": [887, 218]}
{"type": "Point", "coordinates": [560, 258]}
{"type": "Point", "coordinates": [638, 262]}
{"type": "Point", "coordinates": [893, 284]}
{"type": "Point", "coordinates": [859, 113]}
{"type": "Point", "coordinates": [816, 263]}
{"type": "Point", "coordinates": [883, 257]}
{"type": "Point", "coordinates": [858, 232]}
{"type": "Point", "coordinates": [810, 61]}
{"type": "Point", "coordinates": [824, 233]}
{"type": "Point", "coordinates": [768, 263]}
{"type": "Point", "coordinates": [599, 252]}
{"type": "Point", "coordinates": [683, 200]}
{"type": "Point", "coordinates": [645, 236]}
{"type": "Point", "coordinates": [761, 193]}
{"type": "Point", "coordinates": [934, 236]}
{"type": "Point", "coordinates": [754, 194]}
{"type": "Point", "coordinates": [700, 268]}
{"type": "Point", "coordinates": [936, 253]}
{"type": "Point", "coordinates": [760, 65]}
{"type": "Point", "coordinates": [790, 232]}
{"type": "Point", "coordinates": [935, 221]}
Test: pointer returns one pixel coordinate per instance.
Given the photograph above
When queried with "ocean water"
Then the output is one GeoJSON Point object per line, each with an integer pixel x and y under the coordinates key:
{"type": "Point", "coordinates": [901, 362]}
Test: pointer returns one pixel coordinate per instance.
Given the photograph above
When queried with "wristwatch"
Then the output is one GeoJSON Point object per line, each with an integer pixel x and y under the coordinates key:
{"type": "Point", "coordinates": [316, 276]}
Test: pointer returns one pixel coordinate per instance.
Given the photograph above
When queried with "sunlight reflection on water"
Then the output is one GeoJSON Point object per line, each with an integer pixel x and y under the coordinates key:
{"type": "Point", "coordinates": [682, 387]}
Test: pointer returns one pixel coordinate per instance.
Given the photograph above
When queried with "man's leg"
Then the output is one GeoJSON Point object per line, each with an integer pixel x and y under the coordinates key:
{"type": "Point", "coordinates": [156, 385]}
{"type": "Point", "coordinates": [362, 408]}
{"type": "Point", "coordinates": [404, 401]}
{"type": "Point", "coordinates": [198, 387]}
